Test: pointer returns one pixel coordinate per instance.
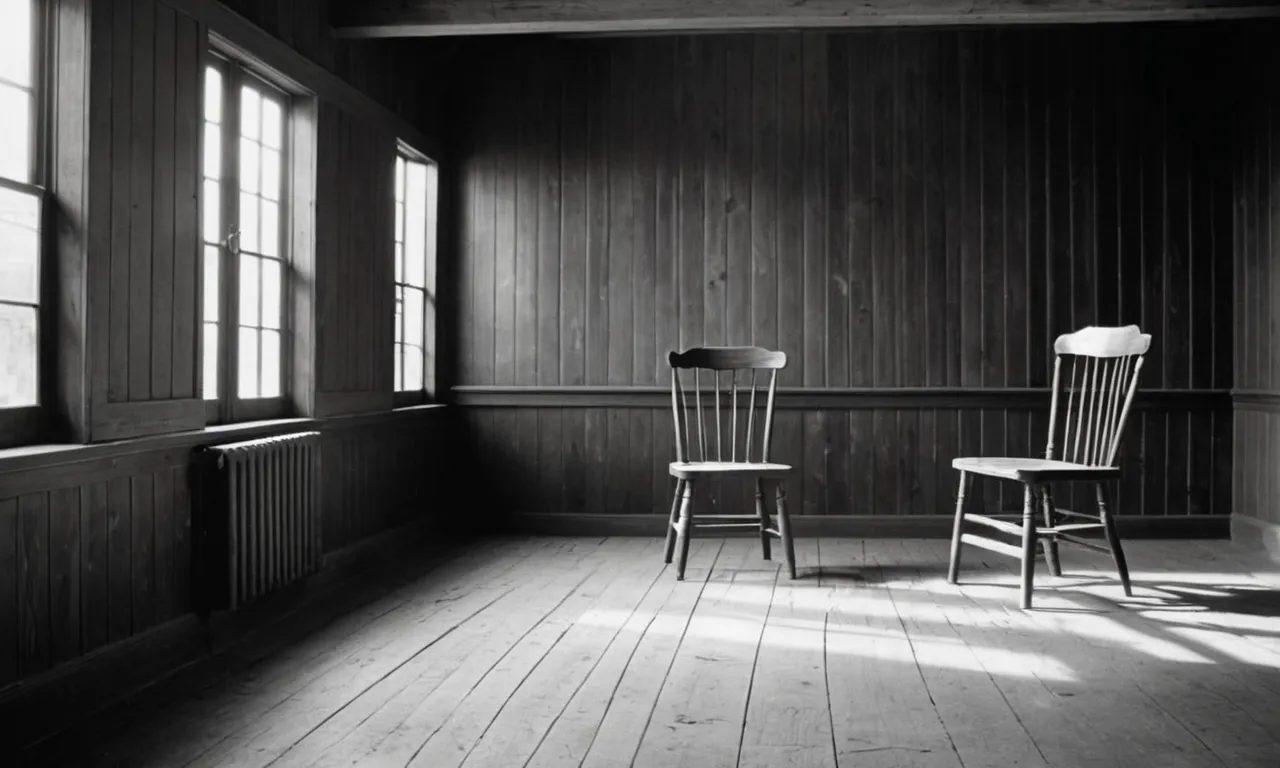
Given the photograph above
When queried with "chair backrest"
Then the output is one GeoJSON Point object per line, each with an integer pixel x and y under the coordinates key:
{"type": "Point", "coordinates": [1099, 389]}
{"type": "Point", "coordinates": [735, 372]}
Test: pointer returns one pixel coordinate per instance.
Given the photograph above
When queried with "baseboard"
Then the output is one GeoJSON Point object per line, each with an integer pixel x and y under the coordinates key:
{"type": "Point", "coordinates": [41, 706]}
{"type": "Point", "coordinates": [1255, 534]}
{"type": "Point", "coordinates": [857, 526]}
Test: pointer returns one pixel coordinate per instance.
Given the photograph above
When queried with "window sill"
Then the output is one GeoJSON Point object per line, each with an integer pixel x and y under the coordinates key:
{"type": "Point", "coordinates": [419, 407]}
{"type": "Point", "coordinates": [43, 456]}
{"type": "Point", "coordinates": [54, 454]}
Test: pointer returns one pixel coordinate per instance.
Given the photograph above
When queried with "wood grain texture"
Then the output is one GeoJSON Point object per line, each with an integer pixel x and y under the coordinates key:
{"type": "Point", "coordinates": [875, 171]}
{"type": "Point", "coordinates": [883, 461]}
{"type": "Point", "coordinates": [101, 551]}
{"type": "Point", "coordinates": [906, 209]}
{"type": "Point", "coordinates": [427, 18]}
{"type": "Point", "coordinates": [1254, 200]}
{"type": "Point", "coordinates": [553, 651]}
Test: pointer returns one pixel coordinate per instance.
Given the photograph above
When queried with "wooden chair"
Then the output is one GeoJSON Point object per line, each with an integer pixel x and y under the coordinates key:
{"type": "Point", "coordinates": [703, 454]}
{"type": "Point", "coordinates": [1105, 363]}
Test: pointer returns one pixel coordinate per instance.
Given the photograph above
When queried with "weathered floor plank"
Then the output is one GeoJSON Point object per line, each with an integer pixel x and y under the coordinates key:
{"type": "Point", "coordinates": [545, 652]}
{"type": "Point", "coordinates": [698, 718]}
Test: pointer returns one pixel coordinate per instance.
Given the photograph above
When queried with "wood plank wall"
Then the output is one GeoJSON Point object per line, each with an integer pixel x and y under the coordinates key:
{"type": "Point", "coordinates": [354, 255]}
{"type": "Point", "coordinates": [1256, 175]}
{"type": "Point", "coordinates": [151, 149]}
{"type": "Point", "coordinates": [915, 209]}
{"type": "Point", "coordinates": [97, 550]}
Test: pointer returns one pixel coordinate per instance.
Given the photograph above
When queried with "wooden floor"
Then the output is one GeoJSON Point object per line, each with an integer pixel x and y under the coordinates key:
{"type": "Point", "coordinates": [588, 652]}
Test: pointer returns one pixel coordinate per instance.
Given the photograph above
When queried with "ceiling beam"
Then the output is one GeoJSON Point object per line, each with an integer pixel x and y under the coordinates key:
{"type": "Point", "coordinates": [440, 18]}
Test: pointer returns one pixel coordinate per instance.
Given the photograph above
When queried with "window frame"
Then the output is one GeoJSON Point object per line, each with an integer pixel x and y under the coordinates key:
{"type": "Point", "coordinates": [27, 424]}
{"type": "Point", "coordinates": [228, 407]}
{"type": "Point", "coordinates": [426, 393]}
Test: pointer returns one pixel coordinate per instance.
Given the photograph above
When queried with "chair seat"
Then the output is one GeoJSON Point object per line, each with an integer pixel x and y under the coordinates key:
{"type": "Point", "coordinates": [690, 470]}
{"type": "Point", "coordinates": [1032, 470]}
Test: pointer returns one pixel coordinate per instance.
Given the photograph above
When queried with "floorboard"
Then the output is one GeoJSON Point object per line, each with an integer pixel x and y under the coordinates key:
{"type": "Point", "coordinates": [541, 652]}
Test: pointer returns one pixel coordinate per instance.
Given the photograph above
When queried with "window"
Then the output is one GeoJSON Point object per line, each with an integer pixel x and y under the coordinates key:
{"type": "Point", "coordinates": [415, 255]}
{"type": "Point", "coordinates": [21, 204]}
{"type": "Point", "coordinates": [245, 265]}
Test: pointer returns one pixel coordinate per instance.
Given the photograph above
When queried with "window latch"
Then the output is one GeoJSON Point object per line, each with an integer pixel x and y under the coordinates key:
{"type": "Point", "coordinates": [232, 243]}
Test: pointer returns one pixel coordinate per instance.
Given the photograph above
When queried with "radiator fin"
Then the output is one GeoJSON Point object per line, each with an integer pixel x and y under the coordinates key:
{"type": "Point", "coordinates": [262, 516]}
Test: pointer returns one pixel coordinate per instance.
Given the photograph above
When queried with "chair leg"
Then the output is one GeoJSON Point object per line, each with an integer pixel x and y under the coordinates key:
{"type": "Point", "coordinates": [685, 528]}
{"type": "Point", "coordinates": [1113, 539]}
{"type": "Point", "coordinates": [673, 518]}
{"type": "Point", "coordinates": [953, 571]}
{"type": "Point", "coordinates": [1028, 544]}
{"type": "Point", "coordinates": [1050, 543]}
{"type": "Point", "coordinates": [763, 514]}
{"type": "Point", "coordinates": [784, 530]}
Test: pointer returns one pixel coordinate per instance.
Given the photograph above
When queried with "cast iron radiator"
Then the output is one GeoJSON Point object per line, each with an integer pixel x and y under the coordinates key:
{"type": "Point", "coordinates": [261, 516]}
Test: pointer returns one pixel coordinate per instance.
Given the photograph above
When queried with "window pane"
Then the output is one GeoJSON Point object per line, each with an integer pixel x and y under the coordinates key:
{"type": "Point", "coordinates": [399, 179]}
{"type": "Point", "coordinates": [15, 133]}
{"type": "Point", "coordinates": [16, 34]}
{"type": "Point", "coordinates": [212, 276]}
{"type": "Point", "coordinates": [19, 246]}
{"type": "Point", "coordinates": [17, 356]}
{"type": "Point", "coordinates": [248, 289]}
{"type": "Point", "coordinates": [399, 314]}
{"type": "Point", "coordinates": [399, 233]}
{"type": "Point", "coordinates": [416, 216]}
{"type": "Point", "coordinates": [413, 316]}
{"type": "Point", "coordinates": [399, 379]}
{"type": "Point", "coordinates": [212, 212]}
{"type": "Point", "coordinates": [432, 198]}
{"type": "Point", "coordinates": [248, 222]}
{"type": "Point", "coordinates": [248, 165]}
{"type": "Point", "coordinates": [213, 94]}
{"type": "Point", "coordinates": [271, 174]}
{"type": "Point", "coordinates": [247, 365]}
{"type": "Point", "coordinates": [250, 106]}
{"type": "Point", "coordinates": [412, 368]}
{"type": "Point", "coordinates": [210, 358]}
{"type": "Point", "coordinates": [270, 364]}
{"type": "Point", "coordinates": [270, 245]}
{"type": "Point", "coordinates": [212, 151]}
{"type": "Point", "coordinates": [270, 293]}
{"type": "Point", "coordinates": [272, 130]}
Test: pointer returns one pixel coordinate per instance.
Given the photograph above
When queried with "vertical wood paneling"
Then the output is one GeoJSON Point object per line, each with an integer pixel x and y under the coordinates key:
{"type": "Point", "coordinates": [64, 574]}
{"type": "Point", "coordinates": [142, 129]}
{"type": "Point", "coordinates": [149, 152]}
{"type": "Point", "coordinates": [142, 550]}
{"type": "Point", "coordinates": [9, 590]}
{"type": "Point", "coordinates": [1255, 231]}
{"type": "Point", "coordinates": [87, 564]}
{"type": "Point", "coordinates": [764, 198]}
{"type": "Point", "coordinates": [121, 48]}
{"type": "Point", "coordinates": [120, 577]}
{"type": "Point", "coordinates": [187, 79]}
{"type": "Point", "coordinates": [914, 208]}
{"type": "Point", "coordinates": [33, 583]}
{"type": "Point", "coordinates": [164, 161]}
{"type": "Point", "coordinates": [791, 301]}
{"type": "Point", "coordinates": [95, 591]}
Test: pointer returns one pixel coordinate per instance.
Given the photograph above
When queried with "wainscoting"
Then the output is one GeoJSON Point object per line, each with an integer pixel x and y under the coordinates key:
{"type": "Point", "coordinates": [912, 215]}
{"type": "Point", "coordinates": [97, 546]}
{"type": "Point", "coordinates": [868, 462]}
